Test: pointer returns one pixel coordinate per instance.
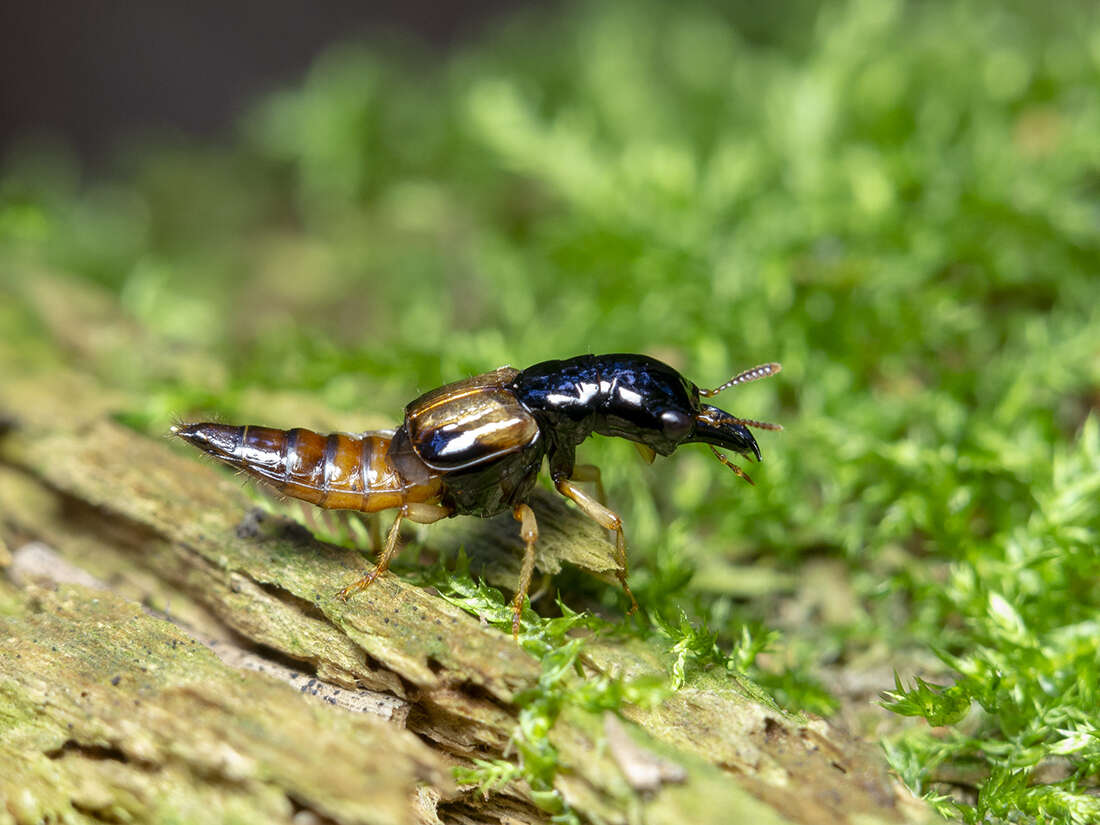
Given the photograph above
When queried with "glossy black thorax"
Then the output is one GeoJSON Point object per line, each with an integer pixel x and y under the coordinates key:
{"type": "Point", "coordinates": [623, 395]}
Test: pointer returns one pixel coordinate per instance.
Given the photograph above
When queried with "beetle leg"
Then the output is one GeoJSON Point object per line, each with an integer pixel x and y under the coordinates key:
{"type": "Point", "coordinates": [421, 514]}
{"type": "Point", "coordinates": [388, 552]}
{"type": "Point", "coordinates": [737, 470]}
{"type": "Point", "coordinates": [425, 513]}
{"type": "Point", "coordinates": [607, 519]}
{"type": "Point", "coordinates": [529, 532]}
{"type": "Point", "coordinates": [590, 472]}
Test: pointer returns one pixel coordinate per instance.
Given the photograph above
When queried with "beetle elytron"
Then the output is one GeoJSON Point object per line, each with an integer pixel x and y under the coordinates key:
{"type": "Point", "coordinates": [475, 447]}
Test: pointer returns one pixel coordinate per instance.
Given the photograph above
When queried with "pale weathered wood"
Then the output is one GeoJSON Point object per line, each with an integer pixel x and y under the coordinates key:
{"type": "Point", "coordinates": [111, 714]}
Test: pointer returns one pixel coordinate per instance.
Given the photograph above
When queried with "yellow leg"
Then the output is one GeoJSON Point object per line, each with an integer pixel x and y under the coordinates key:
{"type": "Point", "coordinates": [420, 513]}
{"type": "Point", "coordinates": [529, 532]}
{"type": "Point", "coordinates": [425, 513]}
{"type": "Point", "coordinates": [737, 470]}
{"type": "Point", "coordinates": [388, 552]}
{"type": "Point", "coordinates": [607, 519]}
{"type": "Point", "coordinates": [590, 472]}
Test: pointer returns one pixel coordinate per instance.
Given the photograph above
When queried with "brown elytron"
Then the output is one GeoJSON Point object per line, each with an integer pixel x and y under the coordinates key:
{"type": "Point", "coordinates": [475, 447]}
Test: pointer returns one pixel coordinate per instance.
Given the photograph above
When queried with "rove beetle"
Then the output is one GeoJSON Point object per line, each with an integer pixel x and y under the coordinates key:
{"type": "Point", "coordinates": [475, 447]}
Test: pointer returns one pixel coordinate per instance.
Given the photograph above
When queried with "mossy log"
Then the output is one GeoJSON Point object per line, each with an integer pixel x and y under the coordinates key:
{"type": "Point", "coordinates": [114, 706]}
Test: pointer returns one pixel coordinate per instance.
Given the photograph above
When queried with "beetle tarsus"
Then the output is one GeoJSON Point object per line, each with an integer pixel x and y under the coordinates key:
{"type": "Point", "coordinates": [345, 593]}
{"type": "Point", "coordinates": [388, 552]}
{"type": "Point", "coordinates": [620, 552]}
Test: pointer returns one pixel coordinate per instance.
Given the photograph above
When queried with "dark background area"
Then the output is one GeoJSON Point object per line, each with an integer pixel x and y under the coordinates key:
{"type": "Point", "coordinates": [92, 73]}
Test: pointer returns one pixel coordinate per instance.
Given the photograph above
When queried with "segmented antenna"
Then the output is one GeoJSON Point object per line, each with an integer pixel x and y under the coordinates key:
{"type": "Point", "coordinates": [760, 425]}
{"type": "Point", "coordinates": [755, 374]}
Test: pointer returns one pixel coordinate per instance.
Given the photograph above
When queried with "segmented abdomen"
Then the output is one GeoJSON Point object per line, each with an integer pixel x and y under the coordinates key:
{"type": "Point", "coordinates": [337, 471]}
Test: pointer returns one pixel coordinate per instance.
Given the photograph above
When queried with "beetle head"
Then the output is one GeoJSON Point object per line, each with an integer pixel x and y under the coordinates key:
{"type": "Point", "coordinates": [676, 416]}
{"type": "Point", "coordinates": [717, 428]}
{"type": "Point", "coordinates": [687, 421]}
{"type": "Point", "coordinates": [720, 429]}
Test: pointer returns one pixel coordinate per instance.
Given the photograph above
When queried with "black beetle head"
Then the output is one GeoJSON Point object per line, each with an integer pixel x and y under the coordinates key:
{"type": "Point", "coordinates": [693, 423]}
{"type": "Point", "coordinates": [717, 428]}
{"type": "Point", "coordinates": [720, 429]}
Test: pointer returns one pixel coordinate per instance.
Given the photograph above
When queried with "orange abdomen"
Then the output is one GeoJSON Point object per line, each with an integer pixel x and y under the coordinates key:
{"type": "Point", "coordinates": [337, 471]}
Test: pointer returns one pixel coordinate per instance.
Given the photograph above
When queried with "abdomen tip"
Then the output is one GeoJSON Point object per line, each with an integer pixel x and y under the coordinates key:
{"type": "Point", "coordinates": [218, 439]}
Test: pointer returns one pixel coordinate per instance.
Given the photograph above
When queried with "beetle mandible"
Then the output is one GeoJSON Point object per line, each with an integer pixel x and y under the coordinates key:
{"type": "Point", "coordinates": [475, 447]}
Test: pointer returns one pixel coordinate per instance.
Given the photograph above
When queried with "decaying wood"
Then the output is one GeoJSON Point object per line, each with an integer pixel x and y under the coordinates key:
{"type": "Point", "coordinates": [108, 711]}
{"type": "Point", "coordinates": [111, 714]}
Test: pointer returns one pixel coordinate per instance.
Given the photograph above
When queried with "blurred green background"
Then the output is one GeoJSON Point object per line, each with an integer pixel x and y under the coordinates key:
{"type": "Point", "coordinates": [898, 201]}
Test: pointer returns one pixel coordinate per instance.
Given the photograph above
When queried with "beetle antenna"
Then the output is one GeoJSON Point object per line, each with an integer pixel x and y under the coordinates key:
{"type": "Point", "coordinates": [755, 374]}
{"type": "Point", "coordinates": [760, 425]}
{"type": "Point", "coordinates": [737, 470]}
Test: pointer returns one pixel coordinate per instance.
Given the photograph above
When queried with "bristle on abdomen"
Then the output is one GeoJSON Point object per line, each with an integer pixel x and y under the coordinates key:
{"type": "Point", "coordinates": [335, 471]}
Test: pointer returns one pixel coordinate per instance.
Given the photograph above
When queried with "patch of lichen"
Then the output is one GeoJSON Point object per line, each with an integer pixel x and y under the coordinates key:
{"type": "Point", "coordinates": [109, 712]}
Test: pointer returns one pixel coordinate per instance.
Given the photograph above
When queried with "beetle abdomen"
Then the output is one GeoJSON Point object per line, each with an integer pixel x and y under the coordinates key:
{"type": "Point", "coordinates": [337, 471]}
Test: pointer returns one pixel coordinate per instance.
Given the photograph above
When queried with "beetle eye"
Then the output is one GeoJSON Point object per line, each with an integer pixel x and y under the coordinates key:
{"type": "Point", "coordinates": [675, 424]}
